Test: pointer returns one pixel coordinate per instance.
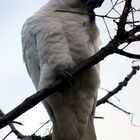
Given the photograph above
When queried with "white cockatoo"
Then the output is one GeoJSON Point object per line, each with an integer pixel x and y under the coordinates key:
{"type": "Point", "coordinates": [54, 41]}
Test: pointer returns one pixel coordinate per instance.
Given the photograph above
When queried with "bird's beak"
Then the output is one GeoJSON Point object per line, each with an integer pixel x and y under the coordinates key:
{"type": "Point", "coordinates": [89, 3]}
{"type": "Point", "coordinates": [84, 2]}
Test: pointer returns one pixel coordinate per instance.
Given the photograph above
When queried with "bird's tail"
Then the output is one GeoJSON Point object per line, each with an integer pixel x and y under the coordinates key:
{"type": "Point", "coordinates": [89, 133]}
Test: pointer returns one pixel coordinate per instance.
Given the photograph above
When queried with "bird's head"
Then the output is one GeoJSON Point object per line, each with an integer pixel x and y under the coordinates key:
{"type": "Point", "coordinates": [77, 3]}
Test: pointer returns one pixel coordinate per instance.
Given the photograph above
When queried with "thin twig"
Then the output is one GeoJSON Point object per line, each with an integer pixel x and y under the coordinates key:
{"type": "Point", "coordinates": [127, 54]}
{"type": "Point", "coordinates": [7, 135]}
{"type": "Point", "coordinates": [113, 5]}
{"type": "Point", "coordinates": [126, 112]}
{"type": "Point", "coordinates": [86, 13]}
{"type": "Point", "coordinates": [13, 129]}
{"type": "Point", "coordinates": [119, 87]}
{"type": "Point", "coordinates": [107, 28]}
{"type": "Point", "coordinates": [41, 126]}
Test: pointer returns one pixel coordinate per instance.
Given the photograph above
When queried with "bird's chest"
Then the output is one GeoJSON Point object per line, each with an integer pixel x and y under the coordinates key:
{"type": "Point", "coordinates": [77, 29]}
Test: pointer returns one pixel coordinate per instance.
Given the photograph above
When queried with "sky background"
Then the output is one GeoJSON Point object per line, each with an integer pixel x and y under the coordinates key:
{"type": "Point", "coordinates": [16, 85]}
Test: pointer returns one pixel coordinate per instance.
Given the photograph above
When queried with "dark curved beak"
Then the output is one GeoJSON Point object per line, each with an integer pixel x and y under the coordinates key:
{"type": "Point", "coordinates": [94, 3]}
{"type": "Point", "coordinates": [84, 2]}
{"type": "Point", "coordinates": [90, 4]}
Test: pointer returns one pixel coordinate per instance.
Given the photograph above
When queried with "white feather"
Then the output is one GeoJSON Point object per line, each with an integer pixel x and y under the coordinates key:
{"type": "Point", "coordinates": [53, 42]}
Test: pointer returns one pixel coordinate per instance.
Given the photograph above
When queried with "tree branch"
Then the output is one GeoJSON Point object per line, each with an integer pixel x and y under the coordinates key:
{"type": "Point", "coordinates": [124, 16]}
{"type": "Point", "coordinates": [112, 47]}
{"type": "Point", "coordinates": [119, 87]}
{"type": "Point", "coordinates": [101, 101]}
{"type": "Point", "coordinates": [56, 85]}
{"type": "Point", "coordinates": [13, 129]}
{"type": "Point", "coordinates": [133, 38]}
{"type": "Point", "coordinates": [127, 54]}
{"type": "Point", "coordinates": [126, 112]}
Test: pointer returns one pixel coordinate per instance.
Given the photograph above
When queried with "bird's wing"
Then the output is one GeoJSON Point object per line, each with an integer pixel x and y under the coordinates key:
{"type": "Point", "coordinates": [30, 55]}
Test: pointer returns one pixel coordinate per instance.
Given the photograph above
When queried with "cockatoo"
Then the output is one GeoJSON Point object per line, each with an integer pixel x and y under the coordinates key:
{"type": "Point", "coordinates": [55, 41]}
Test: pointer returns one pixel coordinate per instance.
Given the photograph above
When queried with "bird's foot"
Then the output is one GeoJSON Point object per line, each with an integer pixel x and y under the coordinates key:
{"type": "Point", "coordinates": [66, 77]}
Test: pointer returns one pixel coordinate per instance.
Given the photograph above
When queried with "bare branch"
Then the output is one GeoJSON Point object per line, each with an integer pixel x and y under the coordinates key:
{"type": "Point", "coordinates": [34, 137]}
{"type": "Point", "coordinates": [87, 13]}
{"type": "Point", "coordinates": [135, 30]}
{"type": "Point", "coordinates": [123, 17]}
{"type": "Point", "coordinates": [13, 129]}
{"type": "Point", "coordinates": [113, 5]}
{"type": "Point", "coordinates": [107, 28]}
{"type": "Point", "coordinates": [130, 55]}
{"type": "Point", "coordinates": [133, 38]}
{"type": "Point", "coordinates": [126, 112]}
{"type": "Point", "coordinates": [119, 87]}
{"type": "Point", "coordinates": [41, 126]}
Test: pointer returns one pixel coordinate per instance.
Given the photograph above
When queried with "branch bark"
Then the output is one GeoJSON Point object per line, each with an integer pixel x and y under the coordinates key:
{"type": "Point", "coordinates": [13, 129]}
{"type": "Point", "coordinates": [127, 54]}
{"type": "Point", "coordinates": [103, 100]}
{"type": "Point", "coordinates": [119, 87]}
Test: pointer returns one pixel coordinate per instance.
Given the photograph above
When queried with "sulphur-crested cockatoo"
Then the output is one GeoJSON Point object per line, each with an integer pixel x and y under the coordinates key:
{"type": "Point", "coordinates": [54, 41]}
